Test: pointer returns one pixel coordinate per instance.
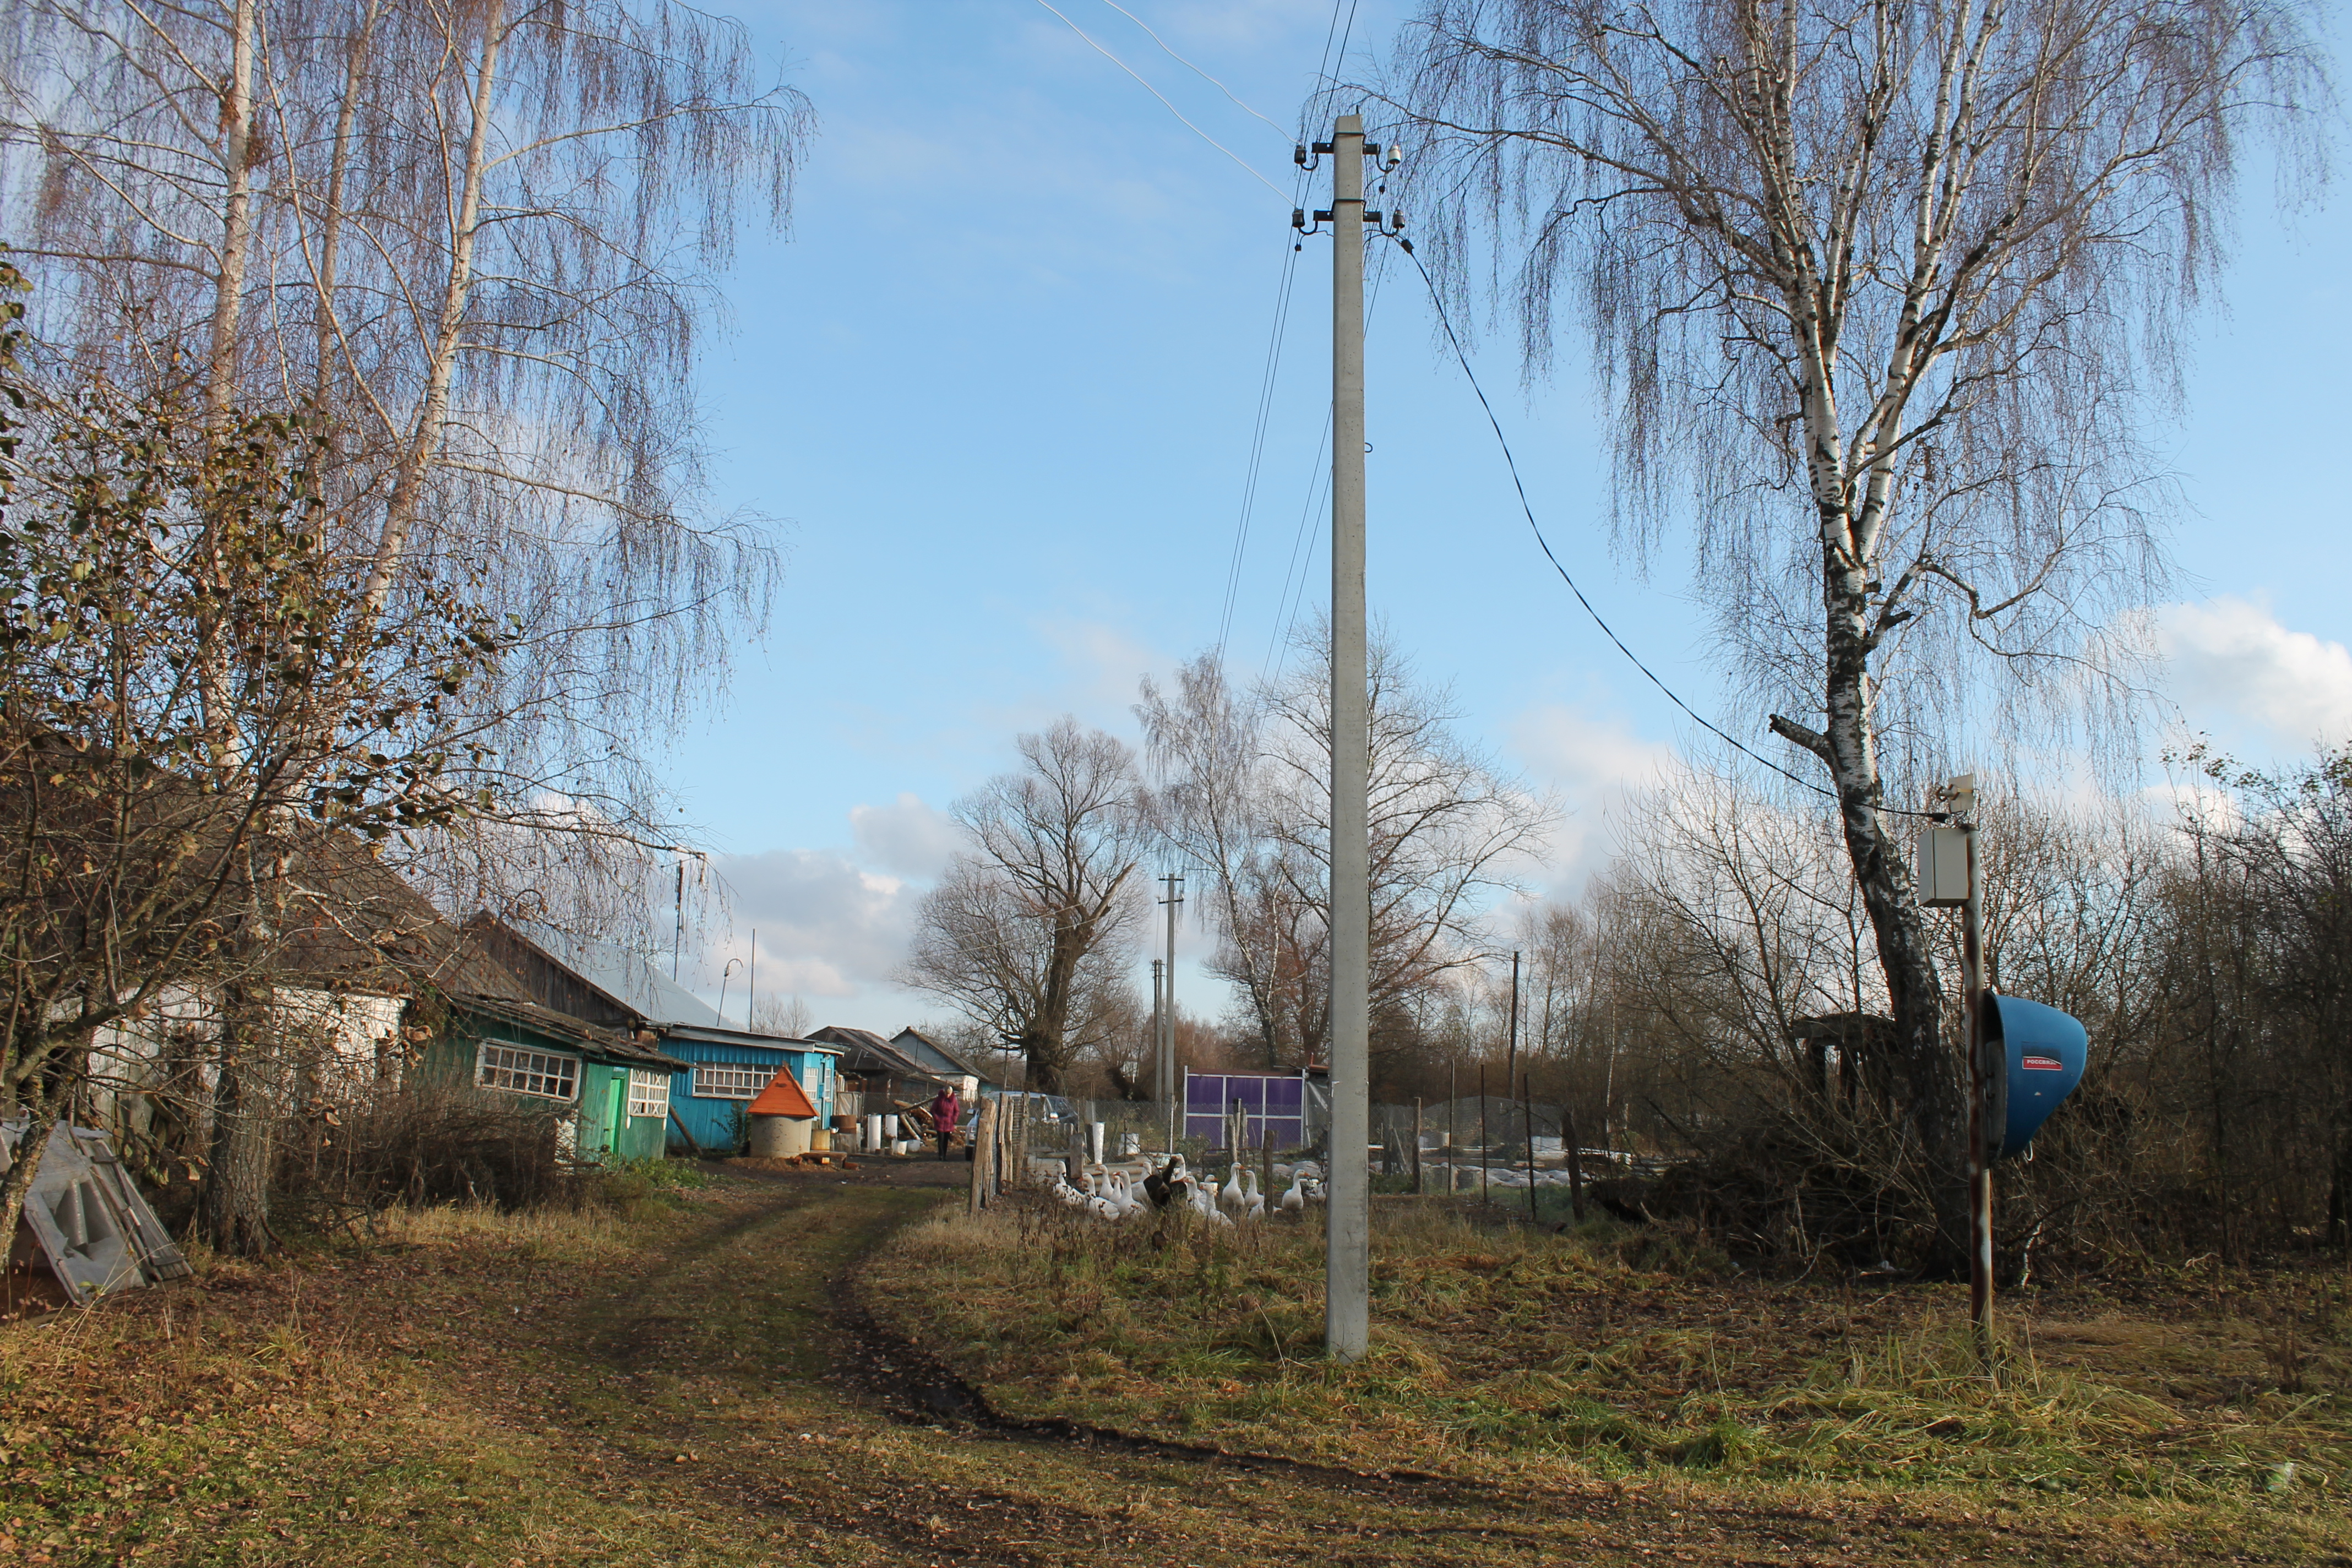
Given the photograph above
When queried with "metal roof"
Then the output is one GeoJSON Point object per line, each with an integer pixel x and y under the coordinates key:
{"type": "Point", "coordinates": [935, 1058]}
{"type": "Point", "coordinates": [632, 979]}
{"type": "Point", "coordinates": [724, 1037]}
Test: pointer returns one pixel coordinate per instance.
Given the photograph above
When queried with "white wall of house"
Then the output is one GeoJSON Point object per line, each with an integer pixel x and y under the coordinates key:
{"type": "Point", "coordinates": [345, 1044]}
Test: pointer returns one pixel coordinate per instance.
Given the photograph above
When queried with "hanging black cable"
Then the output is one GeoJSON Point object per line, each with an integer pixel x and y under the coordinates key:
{"type": "Point", "coordinates": [1462, 357]}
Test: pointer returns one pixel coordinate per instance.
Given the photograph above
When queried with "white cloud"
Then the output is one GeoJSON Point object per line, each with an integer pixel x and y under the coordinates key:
{"type": "Point", "coordinates": [1102, 663]}
{"type": "Point", "coordinates": [827, 926]}
{"type": "Point", "coordinates": [2233, 664]}
{"type": "Point", "coordinates": [907, 836]}
{"type": "Point", "coordinates": [1592, 759]}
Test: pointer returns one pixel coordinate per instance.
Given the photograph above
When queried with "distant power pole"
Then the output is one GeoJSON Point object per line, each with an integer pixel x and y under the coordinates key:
{"type": "Point", "coordinates": [1174, 882]}
{"type": "Point", "coordinates": [1159, 1025]}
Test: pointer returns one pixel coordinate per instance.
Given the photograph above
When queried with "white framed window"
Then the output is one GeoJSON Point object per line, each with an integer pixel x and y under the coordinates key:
{"type": "Point", "coordinates": [521, 1071]}
{"type": "Point", "coordinates": [648, 1092]}
{"type": "Point", "coordinates": [730, 1080]}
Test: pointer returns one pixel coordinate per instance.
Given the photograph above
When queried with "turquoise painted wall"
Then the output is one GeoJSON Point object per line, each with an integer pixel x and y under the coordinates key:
{"type": "Point", "coordinates": [605, 1126]}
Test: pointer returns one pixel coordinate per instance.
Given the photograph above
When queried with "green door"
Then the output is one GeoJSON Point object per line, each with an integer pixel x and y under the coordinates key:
{"type": "Point", "coordinates": [616, 1112]}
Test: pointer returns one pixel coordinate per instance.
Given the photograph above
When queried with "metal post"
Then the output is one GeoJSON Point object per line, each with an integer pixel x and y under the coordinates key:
{"type": "Point", "coordinates": [1486, 1146]}
{"type": "Point", "coordinates": [1511, 1064]}
{"type": "Point", "coordinates": [1980, 1088]}
{"type": "Point", "coordinates": [1347, 1317]}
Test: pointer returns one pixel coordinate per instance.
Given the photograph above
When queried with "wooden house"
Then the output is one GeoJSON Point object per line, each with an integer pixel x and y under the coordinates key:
{"type": "Point", "coordinates": [713, 1070]}
{"type": "Point", "coordinates": [727, 1068]}
{"type": "Point", "coordinates": [547, 1033]}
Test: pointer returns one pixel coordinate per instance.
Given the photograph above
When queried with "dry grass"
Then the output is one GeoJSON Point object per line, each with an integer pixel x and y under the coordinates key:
{"type": "Point", "coordinates": [1633, 1354]}
{"type": "Point", "coordinates": [391, 1401]}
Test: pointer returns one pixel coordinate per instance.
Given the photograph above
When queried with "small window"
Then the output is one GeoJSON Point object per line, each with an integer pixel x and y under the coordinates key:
{"type": "Point", "coordinates": [648, 1092]}
{"type": "Point", "coordinates": [730, 1081]}
{"type": "Point", "coordinates": [519, 1071]}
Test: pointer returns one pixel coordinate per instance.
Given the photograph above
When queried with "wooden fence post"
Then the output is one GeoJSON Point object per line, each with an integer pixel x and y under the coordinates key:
{"type": "Point", "coordinates": [983, 1132]}
{"type": "Point", "coordinates": [1419, 1188]}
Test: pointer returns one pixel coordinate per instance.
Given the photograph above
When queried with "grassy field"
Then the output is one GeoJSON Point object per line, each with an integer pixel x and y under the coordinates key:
{"type": "Point", "coordinates": [2192, 1406]}
{"type": "Point", "coordinates": [687, 1381]}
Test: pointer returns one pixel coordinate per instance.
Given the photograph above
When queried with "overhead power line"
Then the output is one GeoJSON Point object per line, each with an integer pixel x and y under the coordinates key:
{"type": "Point", "coordinates": [1172, 109]}
{"type": "Point", "coordinates": [1196, 70]}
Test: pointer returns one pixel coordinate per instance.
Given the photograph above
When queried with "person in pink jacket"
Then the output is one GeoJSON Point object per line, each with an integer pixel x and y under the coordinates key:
{"type": "Point", "coordinates": [946, 1110]}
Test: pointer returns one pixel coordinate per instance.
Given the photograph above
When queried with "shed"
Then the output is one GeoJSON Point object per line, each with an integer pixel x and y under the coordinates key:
{"type": "Point", "coordinates": [725, 1069]}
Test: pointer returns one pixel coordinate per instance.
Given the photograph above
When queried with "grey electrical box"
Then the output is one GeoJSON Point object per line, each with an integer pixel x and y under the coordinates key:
{"type": "Point", "coordinates": [1943, 867]}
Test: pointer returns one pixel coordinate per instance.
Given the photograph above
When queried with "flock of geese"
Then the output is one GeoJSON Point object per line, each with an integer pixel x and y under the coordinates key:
{"type": "Point", "coordinates": [1137, 1188]}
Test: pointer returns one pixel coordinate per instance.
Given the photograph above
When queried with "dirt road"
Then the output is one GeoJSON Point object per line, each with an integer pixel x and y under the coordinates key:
{"type": "Point", "coordinates": [865, 1452]}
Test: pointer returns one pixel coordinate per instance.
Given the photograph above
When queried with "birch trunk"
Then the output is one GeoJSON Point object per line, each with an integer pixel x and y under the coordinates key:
{"type": "Point", "coordinates": [433, 409]}
{"type": "Point", "coordinates": [236, 213]}
{"type": "Point", "coordinates": [331, 216]}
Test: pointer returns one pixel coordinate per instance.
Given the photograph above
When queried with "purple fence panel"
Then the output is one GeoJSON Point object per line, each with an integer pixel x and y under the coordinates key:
{"type": "Point", "coordinates": [1276, 1105]}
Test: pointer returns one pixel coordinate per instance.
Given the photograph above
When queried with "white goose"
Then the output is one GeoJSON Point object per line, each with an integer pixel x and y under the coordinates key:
{"type": "Point", "coordinates": [1129, 1206]}
{"type": "Point", "coordinates": [1253, 1200]}
{"type": "Point", "coordinates": [1294, 1201]}
{"type": "Point", "coordinates": [1229, 1196]}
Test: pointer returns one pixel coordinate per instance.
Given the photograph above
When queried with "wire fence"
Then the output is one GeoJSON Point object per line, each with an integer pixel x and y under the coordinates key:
{"type": "Point", "coordinates": [1472, 1143]}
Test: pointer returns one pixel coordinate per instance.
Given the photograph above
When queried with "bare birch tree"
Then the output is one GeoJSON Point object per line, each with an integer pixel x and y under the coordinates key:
{"type": "Point", "coordinates": [478, 237]}
{"type": "Point", "coordinates": [1881, 295]}
{"type": "Point", "coordinates": [1032, 930]}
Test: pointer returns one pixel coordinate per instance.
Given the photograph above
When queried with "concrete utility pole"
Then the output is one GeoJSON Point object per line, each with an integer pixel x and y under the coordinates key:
{"type": "Point", "coordinates": [1348, 1254]}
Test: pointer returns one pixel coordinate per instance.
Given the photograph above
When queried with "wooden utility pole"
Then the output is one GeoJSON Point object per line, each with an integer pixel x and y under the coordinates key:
{"type": "Point", "coordinates": [1527, 1114]}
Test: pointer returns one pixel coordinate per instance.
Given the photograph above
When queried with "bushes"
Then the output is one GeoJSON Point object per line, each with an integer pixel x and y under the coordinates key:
{"type": "Point", "coordinates": [433, 1139]}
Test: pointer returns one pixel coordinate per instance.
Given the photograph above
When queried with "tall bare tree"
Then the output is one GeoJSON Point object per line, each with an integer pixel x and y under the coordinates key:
{"type": "Point", "coordinates": [1881, 293]}
{"type": "Point", "coordinates": [1031, 929]}
{"type": "Point", "coordinates": [479, 239]}
{"type": "Point", "coordinates": [1246, 798]}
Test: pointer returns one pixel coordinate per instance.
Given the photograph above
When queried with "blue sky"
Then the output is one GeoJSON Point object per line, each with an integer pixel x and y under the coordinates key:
{"type": "Point", "coordinates": [999, 387]}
